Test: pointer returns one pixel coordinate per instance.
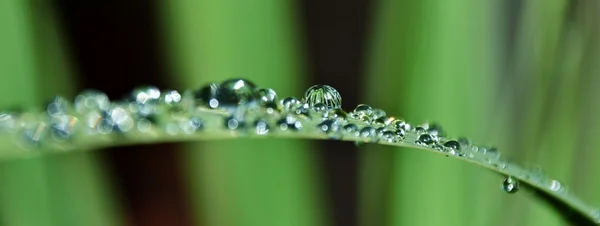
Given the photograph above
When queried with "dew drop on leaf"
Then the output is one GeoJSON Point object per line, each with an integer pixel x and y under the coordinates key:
{"type": "Point", "coordinates": [452, 144]}
{"type": "Point", "coordinates": [425, 139]}
{"type": "Point", "coordinates": [324, 94]}
{"type": "Point", "coordinates": [510, 185]}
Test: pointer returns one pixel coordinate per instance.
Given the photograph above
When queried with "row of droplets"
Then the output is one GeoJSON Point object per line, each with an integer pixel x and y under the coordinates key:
{"type": "Point", "coordinates": [241, 105]}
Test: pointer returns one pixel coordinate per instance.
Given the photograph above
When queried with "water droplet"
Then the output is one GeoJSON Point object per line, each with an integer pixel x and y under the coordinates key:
{"type": "Point", "coordinates": [420, 130]}
{"type": "Point", "coordinates": [120, 119]}
{"type": "Point", "coordinates": [401, 124]}
{"type": "Point", "coordinates": [61, 127]}
{"type": "Point", "coordinates": [378, 113]}
{"type": "Point", "coordinates": [362, 112]}
{"type": "Point", "coordinates": [350, 128]}
{"type": "Point", "coordinates": [172, 97]}
{"type": "Point", "coordinates": [555, 185]}
{"type": "Point", "coordinates": [337, 113]}
{"type": "Point", "coordinates": [324, 94]}
{"type": "Point", "coordinates": [400, 133]}
{"type": "Point", "coordinates": [91, 100]}
{"type": "Point", "coordinates": [58, 106]}
{"type": "Point", "coordinates": [290, 103]}
{"type": "Point", "coordinates": [261, 127]}
{"type": "Point", "coordinates": [510, 185]}
{"type": "Point", "coordinates": [192, 125]}
{"type": "Point", "coordinates": [390, 136]}
{"type": "Point", "coordinates": [207, 95]}
{"type": "Point", "coordinates": [289, 122]}
{"type": "Point", "coordinates": [268, 99]}
{"type": "Point", "coordinates": [452, 144]}
{"type": "Point", "coordinates": [368, 134]}
{"type": "Point", "coordinates": [229, 94]}
{"type": "Point", "coordinates": [146, 94]}
{"type": "Point", "coordinates": [425, 139]}
{"type": "Point", "coordinates": [232, 123]}
{"type": "Point", "coordinates": [329, 126]}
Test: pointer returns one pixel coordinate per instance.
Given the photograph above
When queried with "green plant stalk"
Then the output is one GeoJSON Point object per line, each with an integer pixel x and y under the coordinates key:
{"type": "Point", "coordinates": [214, 129]}
{"type": "Point", "coordinates": [243, 182]}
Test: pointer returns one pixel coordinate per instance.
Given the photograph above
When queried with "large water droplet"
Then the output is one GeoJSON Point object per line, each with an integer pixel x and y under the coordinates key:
{"type": "Point", "coordinates": [324, 94]}
{"type": "Point", "coordinates": [425, 139]}
{"type": "Point", "coordinates": [229, 94]}
{"type": "Point", "coordinates": [452, 144]}
{"type": "Point", "coordinates": [510, 185]}
{"type": "Point", "coordinates": [207, 95]}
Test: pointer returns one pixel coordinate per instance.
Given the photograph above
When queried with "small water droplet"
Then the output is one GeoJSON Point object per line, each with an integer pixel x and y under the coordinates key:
{"type": "Point", "coordinates": [378, 113]}
{"type": "Point", "coordinates": [362, 112]}
{"type": "Point", "coordinates": [452, 144]}
{"type": "Point", "coordinates": [91, 100]}
{"type": "Point", "coordinates": [337, 113]}
{"type": "Point", "coordinates": [420, 130]}
{"type": "Point", "coordinates": [464, 141]}
{"type": "Point", "coordinates": [232, 123]}
{"type": "Point", "coordinates": [555, 185]}
{"type": "Point", "coordinates": [510, 185]}
{"type": "Point", "coordinates": [261, 127]}
{"type": "Point", "coordinates": [324, 94]}
{"type": "Point", "coordinates": [172, 97]}
{"type": "Point", "coordinates": [290, 103]}
{"type": "Point", "coordinates": [400, 124]}
{"type": "Point", "coordinates": [425, 139]}
{"type": "Point", "coordinates": [350, 128]}
{"type": "Point", "coordinates": [268, 99]}
{"type": "Point", "coordinates": [368, 134]}
{"type": "Point", "coordinates": [146, 94]}
{"type": "Point", "coordinates": [289, 122]}
{"type": "Point", "coordinates": [192, 125]}
{"type": "Point", "coordinates": [329, 126]}
{"type": "Point", "coordinates": [390, 136]}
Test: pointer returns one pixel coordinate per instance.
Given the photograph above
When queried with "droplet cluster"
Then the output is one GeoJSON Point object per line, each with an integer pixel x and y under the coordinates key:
{"type": "Point", "coordinates": [238, 107]}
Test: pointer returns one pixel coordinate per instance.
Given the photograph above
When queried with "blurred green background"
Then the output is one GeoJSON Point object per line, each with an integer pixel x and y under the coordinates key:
{"type": "Point", "coordinates": [521, 75]}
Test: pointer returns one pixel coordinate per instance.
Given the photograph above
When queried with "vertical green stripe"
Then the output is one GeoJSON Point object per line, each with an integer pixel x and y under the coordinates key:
{"type": "Point", "coordinates": [438, 60]}
{"type": "Point", "coordinates": [244, 182]}
{"type": "Point", "coordinates": [58, 190]}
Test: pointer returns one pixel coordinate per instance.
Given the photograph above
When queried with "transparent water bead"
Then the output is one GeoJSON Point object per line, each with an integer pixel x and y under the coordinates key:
{"type": "Point", "coordinates": [323, 94]}
{"type": "Point", "coordinates": [268, 99]}
{"type": "Point", "coordinates": [261, 127]}
{"type": "Point", "coordinates": [289, 122]}
{"type": "Point", "coordinates": [362, 112]}
{"type": "Point", "coordinates": [229, 94]}
{"type": "Point", "coordinates": [425, 139]}
{"type": "Point", "coordinates": [510, 185]}
{"type": "Point", "coordinates": [452, 144]}
{"type": "Point", "coordinates": [91, 100]}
